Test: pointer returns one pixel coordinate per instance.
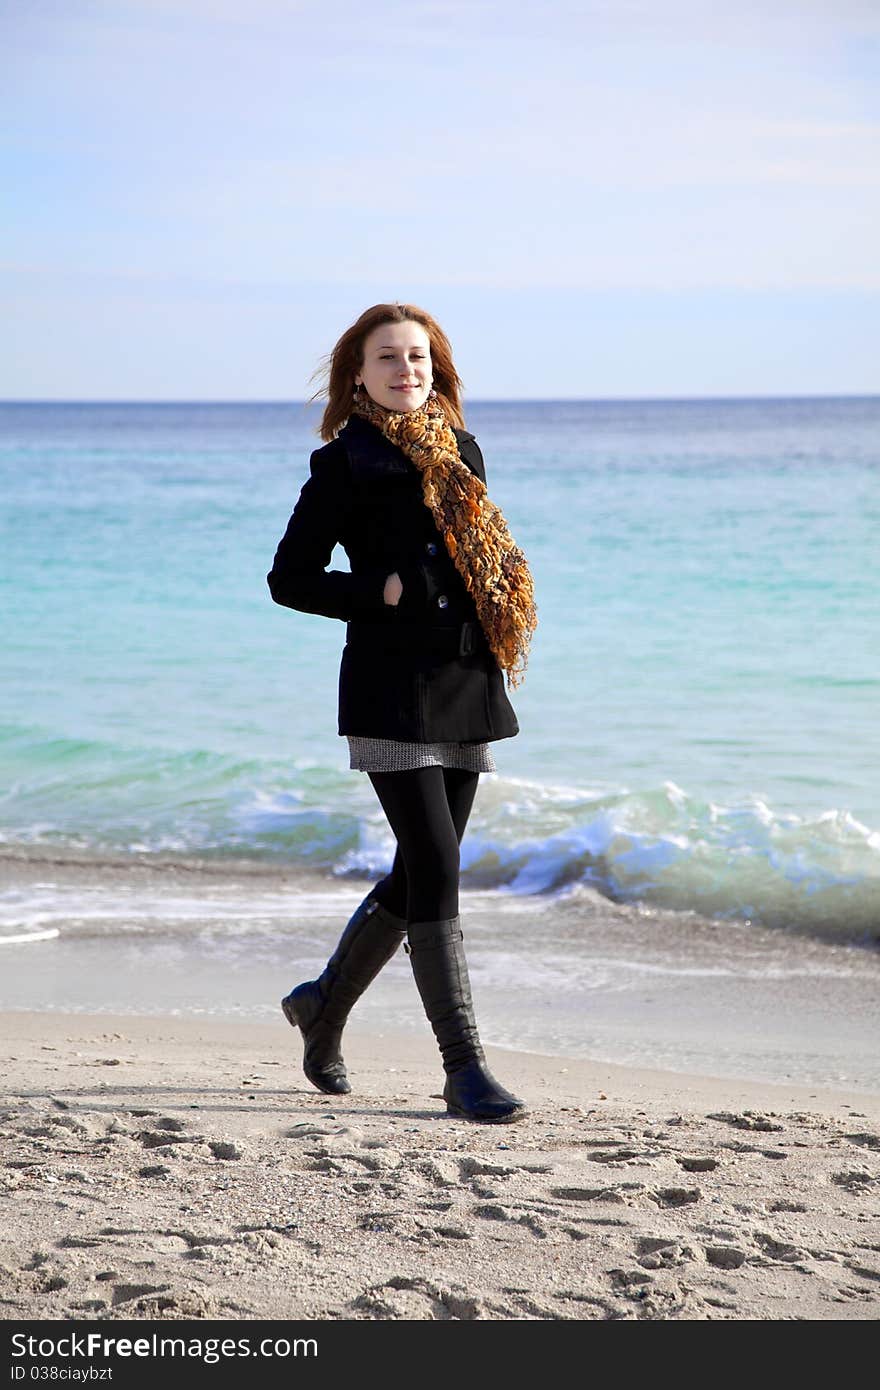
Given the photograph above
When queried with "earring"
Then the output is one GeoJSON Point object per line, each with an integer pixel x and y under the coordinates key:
{"type": "Point", "coordinates": [432, 394]}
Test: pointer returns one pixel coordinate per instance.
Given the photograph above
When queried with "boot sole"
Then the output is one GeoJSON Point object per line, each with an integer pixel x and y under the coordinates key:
{"type": "Point", "coordinates": [518, 1114]}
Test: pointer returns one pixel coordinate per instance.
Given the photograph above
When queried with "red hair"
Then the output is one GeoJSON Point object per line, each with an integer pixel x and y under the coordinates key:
{"type": "Point", "coordinates": [347, 358]}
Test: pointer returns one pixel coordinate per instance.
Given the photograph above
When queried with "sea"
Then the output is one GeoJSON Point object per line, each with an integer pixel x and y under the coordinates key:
{"type": "Point", "coordinates": [700, 717]}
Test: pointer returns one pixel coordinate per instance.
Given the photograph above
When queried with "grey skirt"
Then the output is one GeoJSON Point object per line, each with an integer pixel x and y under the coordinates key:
{"type": "Point", "coordinates": [394, 755]}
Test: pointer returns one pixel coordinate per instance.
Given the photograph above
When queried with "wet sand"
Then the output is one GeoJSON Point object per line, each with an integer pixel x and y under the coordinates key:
{"type": "Point", "coordinates": [573, 976]}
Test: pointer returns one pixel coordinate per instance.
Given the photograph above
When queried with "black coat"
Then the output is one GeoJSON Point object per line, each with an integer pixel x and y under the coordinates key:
{"type": "Point", "coordinates": [420, 671]}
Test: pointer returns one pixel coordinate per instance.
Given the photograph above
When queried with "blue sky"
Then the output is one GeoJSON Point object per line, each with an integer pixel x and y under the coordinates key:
{"type": "Point", "coordinates": [594, 199]}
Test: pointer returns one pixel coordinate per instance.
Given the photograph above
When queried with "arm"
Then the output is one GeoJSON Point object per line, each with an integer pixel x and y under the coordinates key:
{"type": "Point", "coordinates": [299, 577]}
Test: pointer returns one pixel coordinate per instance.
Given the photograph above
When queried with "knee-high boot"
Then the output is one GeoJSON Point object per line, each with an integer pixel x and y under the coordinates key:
{"type": "Point", "coordinates": [436, 952]}
{"type": "Point", "coordinates": [319, 1008]}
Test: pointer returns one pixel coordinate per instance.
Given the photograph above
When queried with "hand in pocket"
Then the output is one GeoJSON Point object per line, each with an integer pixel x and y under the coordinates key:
{"type": "Point", "coordinates": [393, 589]}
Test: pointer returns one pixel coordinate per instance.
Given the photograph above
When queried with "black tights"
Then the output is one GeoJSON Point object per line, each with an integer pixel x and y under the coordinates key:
{"type": "Point", "coordinates": [428, 809]}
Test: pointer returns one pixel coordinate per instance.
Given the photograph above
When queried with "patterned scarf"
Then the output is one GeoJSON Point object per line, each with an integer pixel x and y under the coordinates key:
{"type": "Point", "coordinates": [474, 530]}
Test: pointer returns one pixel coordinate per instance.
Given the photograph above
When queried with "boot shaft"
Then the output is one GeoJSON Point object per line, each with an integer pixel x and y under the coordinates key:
{"type": "Point", "coordinates": [371, 937]}
{"type": "Point", "coordinates": [439, 965]}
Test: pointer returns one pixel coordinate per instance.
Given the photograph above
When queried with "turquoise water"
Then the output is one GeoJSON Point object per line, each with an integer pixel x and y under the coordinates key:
{"type": "Point", "coordinates": [699, 720]}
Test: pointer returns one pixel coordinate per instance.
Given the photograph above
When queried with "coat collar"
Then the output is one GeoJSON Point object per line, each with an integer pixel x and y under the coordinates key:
{"type": "Point", "coordinates": [372, 455]}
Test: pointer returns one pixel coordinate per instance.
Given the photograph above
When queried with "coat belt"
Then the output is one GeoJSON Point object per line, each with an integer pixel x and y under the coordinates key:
{"type": "Point", "coordinates": [444, 642]}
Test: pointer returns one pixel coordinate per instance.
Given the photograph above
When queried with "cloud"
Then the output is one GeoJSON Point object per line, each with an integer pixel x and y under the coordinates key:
{"type": "Point", "coordinates": [632, 145]}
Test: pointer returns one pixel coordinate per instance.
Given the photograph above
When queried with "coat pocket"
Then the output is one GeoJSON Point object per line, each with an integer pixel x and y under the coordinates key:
{"type": "Point", "coordinates": [378, 694]}
{"type": "Point", "coordinates": [414, 599]}
{"type": "Point", "coordinates": [455, 701]}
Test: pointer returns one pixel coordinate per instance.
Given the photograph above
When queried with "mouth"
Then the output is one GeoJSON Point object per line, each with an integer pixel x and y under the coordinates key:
{"type": "Point", "coordinates": [404, 388]}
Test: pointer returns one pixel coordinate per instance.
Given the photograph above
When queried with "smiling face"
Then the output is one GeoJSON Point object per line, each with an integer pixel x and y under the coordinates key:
{"type": "Point", "coordinates": [396, 370]}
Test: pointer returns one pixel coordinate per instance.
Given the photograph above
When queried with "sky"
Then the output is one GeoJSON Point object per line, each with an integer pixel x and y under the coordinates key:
{"type": "Point", "coordinates": [595, 198]}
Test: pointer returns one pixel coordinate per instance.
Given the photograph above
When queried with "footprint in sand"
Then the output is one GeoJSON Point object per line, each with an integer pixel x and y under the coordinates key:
{"type": "Point", "coordinates": [778, 1251]}
{"type": "Point", "coordinates": [414, 1299]}
{"type": "Point", "coordinates": [653, 1252]}
{"type": "Point", "coordinates": [619, 1194]}
{"type": "Point", "coordinates": [488, 1211]}
{"type": "Point", "coordinates": [747, 1119]}
{"type": "Point", "coordinates": [165, 1134]}
{"type": "Point", "coordinates": [675, 1196]}
{"type": "Point", "coordinates": [223, 1149]}
{"type": "Point", "coordinates": [864, 1141]}
{"type": "Point", "coordinates": [856, 1180]}
{"type": "Point", "coordinates": [725, 1256]}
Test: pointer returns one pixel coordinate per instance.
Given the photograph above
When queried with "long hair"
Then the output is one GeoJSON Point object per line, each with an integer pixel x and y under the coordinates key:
{"type": "Point", "coordinates": [347, 358]}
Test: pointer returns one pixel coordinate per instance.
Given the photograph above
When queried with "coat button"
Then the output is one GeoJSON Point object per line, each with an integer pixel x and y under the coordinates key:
{"type": "Point", "coordinates": [442, 601]}
{"type": "Point", "coordinates": [431, 548]}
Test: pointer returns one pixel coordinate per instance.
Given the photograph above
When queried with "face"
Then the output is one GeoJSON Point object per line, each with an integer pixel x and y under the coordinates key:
{"type": "Point", "coordinates": [396, 369]}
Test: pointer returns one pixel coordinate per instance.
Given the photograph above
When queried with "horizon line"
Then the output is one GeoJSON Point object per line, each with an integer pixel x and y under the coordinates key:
{"type": "Point", "coordinates": [474, 400]}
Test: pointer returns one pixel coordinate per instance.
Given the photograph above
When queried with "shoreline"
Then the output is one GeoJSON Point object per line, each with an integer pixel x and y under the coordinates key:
{"type": "Point", "coordinates": [572, 977]}
{"type": "Point", "coordinates": [170, 1168]}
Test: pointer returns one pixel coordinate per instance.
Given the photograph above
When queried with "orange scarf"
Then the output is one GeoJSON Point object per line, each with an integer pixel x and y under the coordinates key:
{"type": "Point", "coordinates": [474, 530]}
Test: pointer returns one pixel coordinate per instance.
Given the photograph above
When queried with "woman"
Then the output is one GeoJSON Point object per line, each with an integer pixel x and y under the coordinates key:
{"type": "Point", "coordinates": [438, 601]}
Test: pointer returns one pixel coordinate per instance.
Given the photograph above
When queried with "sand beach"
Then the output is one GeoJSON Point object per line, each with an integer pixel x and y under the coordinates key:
{"type": "Point", "coordinates": [164, 1169]}
{"type": "Point", "coordinates": [160, 1162]}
